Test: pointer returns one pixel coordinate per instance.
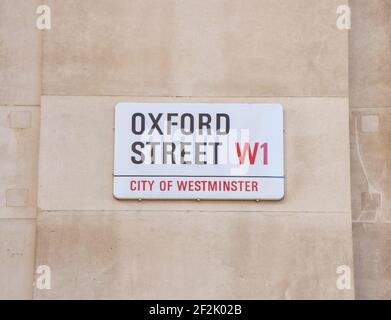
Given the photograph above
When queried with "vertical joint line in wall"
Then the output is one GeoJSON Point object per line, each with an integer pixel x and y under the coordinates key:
{"type": "Point", "coordinates": [371, 188]}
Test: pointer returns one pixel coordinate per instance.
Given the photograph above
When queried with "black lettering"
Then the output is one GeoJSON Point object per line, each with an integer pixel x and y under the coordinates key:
{"type": "Point", "coordinates": [142, 118]}
{"type": "Point", "coordinates": [215, 151]}
{"type": "Point", "coordinates": [170, 123]}
{"type": "Point", "coordinates": [184, 152]}
{"type": "Point", "coordinates": [191, 119]}
{"type": "Point", "coordinates": [155, 123]}
{"type": "Point", "coordinates": [227, 123]}
{"type": "Point", "coordinates": [167, 152]}
{"type": "Point", "coordinates": [138, 152]}
{"type": "Point", "coordinates": [198, 152]}
{"type": "Point", "coordinates": [153, 148]}
{"type": "Point", "coordinates": [204, 123]}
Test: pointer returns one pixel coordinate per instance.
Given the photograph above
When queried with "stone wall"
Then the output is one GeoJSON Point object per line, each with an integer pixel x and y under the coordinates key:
{"type": "Point", "coordinates": [58, 89]}
{"type": "Point", "coordinates": [370, 142]}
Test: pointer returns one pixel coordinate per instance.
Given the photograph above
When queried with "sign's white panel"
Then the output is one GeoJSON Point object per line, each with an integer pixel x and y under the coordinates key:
{"type": "Point", "coordinates": [198, 151]}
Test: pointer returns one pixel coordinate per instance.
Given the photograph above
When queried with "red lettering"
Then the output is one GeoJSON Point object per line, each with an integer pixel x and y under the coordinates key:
{"type": "Point", "coordinates": [182, 185]}
{"type": "Point", "coordinates": [252, 154]}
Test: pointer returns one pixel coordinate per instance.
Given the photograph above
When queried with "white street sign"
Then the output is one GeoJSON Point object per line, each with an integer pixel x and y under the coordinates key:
{"type": "Point", "coordinates": [230, 151]}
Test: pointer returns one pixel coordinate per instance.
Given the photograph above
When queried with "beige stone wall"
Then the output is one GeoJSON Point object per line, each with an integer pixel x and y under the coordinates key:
{"type": "Point", "coordinates": [370, 113]}
{"type": "Point", "coordinates": [20, 94]}
{"type": "Point", "coordinates": [166, 249]}
{"type": "Point", "coordinates": [58, 89]}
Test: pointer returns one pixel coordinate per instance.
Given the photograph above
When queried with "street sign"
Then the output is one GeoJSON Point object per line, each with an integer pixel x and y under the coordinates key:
{"type": "Point", "coordinates": [227, 151]}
